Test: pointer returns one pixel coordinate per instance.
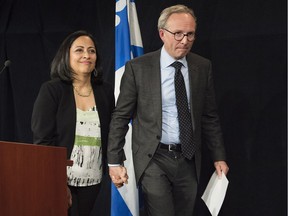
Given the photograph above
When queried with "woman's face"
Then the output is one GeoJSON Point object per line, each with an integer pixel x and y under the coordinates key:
{"type": "Point", "coordinates": [83, 55]}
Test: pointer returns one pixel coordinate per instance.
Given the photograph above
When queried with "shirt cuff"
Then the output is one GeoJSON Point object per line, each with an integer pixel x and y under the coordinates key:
{"type": "Point", "coordinates": [114, 165]}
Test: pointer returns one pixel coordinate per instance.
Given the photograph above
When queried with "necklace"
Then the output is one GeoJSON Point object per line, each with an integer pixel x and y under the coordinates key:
{"type": "Point", "coordinates": [80, 94]}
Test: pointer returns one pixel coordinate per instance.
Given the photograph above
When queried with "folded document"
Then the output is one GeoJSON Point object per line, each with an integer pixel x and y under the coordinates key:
{"type": "Point", "coordinates": [215, 192]}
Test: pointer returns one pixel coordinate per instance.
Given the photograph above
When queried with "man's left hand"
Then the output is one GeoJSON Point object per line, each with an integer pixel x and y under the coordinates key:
{"type": "Point", "coordinates": [221, 166]}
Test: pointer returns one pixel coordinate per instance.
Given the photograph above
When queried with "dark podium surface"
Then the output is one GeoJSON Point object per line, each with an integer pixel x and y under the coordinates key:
{"type": "Point", "coordinates": [32, 180]}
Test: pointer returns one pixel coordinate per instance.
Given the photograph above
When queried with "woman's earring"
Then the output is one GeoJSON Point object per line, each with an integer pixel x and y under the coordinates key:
{"type": "Point", "coordinates": [95, 72]}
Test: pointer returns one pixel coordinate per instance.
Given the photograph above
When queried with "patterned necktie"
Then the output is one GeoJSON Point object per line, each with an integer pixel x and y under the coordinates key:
{"type": "Point", "coordinates": [184, 116]}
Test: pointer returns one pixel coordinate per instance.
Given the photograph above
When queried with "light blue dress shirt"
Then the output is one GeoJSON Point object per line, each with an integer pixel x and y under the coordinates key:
{"type": "Point", "coordinates": [170, 125]}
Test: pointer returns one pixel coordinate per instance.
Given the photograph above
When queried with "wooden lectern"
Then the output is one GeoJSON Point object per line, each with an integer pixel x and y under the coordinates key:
{"type": "Point", "coordinates": [33, 180]}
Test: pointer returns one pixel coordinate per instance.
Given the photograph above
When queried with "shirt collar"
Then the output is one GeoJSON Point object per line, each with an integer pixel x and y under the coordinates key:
{"type": "Point", "coordinates": [166, 60]}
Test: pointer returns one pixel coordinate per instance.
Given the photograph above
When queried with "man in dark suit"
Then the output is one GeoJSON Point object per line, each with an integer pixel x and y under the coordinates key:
{"type": "Point", "coordinates": [148, 95]}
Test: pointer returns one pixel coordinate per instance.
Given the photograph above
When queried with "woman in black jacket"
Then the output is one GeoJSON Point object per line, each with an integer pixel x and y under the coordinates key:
{"type": "Point", "coordinates": [73, 110]}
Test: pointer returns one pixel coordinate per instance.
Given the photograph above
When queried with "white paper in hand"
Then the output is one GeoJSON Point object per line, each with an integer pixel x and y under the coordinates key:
{"type": "Point", "coordinates": [215, 192]}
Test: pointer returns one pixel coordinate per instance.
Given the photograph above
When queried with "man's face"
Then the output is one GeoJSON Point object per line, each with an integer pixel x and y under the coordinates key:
{"type": "Point", "coordinates": [181, 23]}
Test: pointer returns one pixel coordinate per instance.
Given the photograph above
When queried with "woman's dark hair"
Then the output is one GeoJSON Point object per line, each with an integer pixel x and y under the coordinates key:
{"type": "Point", "coordinates": [60, 66]}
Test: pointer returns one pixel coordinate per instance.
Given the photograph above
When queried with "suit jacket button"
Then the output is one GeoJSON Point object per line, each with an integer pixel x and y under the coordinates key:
{"type": "Point", "coordinates": [150, 155]}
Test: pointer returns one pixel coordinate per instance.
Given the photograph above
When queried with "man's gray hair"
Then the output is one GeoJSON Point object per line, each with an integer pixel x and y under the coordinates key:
{"type": "Point", "coordinates": [167, 12]}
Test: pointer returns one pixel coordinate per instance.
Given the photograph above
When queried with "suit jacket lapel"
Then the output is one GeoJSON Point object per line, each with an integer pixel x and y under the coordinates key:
{"type": "Point", "coordinates": [155, 86]}
{"type": "Point", "coordinates": [193, 86]}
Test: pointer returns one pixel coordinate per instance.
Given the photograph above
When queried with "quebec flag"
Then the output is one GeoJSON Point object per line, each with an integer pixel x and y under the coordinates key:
{"type": "Point", "coordinates": [128, 45]}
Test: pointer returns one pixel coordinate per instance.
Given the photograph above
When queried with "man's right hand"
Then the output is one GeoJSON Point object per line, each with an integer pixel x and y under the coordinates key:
{"type": "Point", "coordinates": [118, 175]}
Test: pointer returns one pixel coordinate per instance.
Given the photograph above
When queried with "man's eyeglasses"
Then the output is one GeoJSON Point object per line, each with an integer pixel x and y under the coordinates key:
{"type": "Point", "coordinates": [178, 36]}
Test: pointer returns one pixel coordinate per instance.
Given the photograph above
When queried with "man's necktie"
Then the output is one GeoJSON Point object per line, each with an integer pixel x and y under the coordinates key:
{"type": "Point", "coordinates": [184, 116]}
